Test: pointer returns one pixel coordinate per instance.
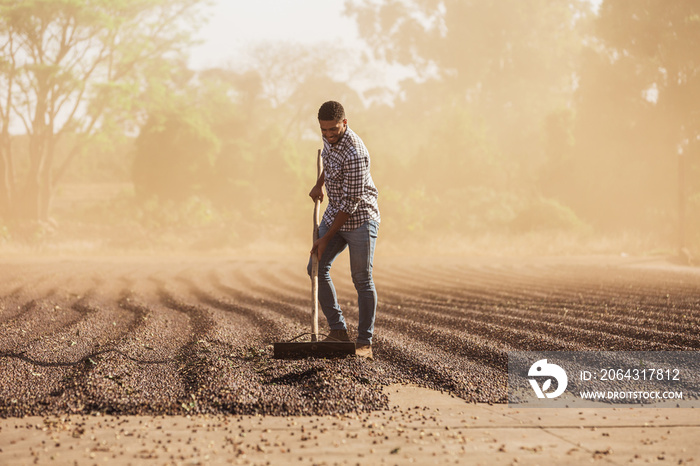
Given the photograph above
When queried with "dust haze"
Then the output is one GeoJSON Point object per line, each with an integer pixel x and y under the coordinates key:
{"type": "Point", "coordinates": [528, 128]}
{"type": "Point", "coordinates": [155, 223]}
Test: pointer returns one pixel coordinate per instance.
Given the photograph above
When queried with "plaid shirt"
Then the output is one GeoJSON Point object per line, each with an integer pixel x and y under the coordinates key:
{"type": "Point", "coordinates": [348, 182]}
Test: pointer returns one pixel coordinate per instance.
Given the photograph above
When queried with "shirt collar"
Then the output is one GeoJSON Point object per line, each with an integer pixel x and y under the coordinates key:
{"type": "Point", "coordinates": [340, 142]}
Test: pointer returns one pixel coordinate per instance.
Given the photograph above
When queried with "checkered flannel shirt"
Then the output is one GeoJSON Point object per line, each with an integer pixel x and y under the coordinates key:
{"type": "Point", "coordinates": [348, 182]}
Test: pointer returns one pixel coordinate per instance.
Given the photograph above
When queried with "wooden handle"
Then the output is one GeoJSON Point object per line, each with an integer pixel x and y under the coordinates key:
{"type": "Point", "coordinates": [314, 260]}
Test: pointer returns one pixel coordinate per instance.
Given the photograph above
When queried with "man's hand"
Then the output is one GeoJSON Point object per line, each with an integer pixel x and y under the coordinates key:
{"type": "Point", "coordinates": [321, 243]}
{"type": "Point", "coordinates": [316, 193]}
{"type": "Point", "coordinates": [319, 246]}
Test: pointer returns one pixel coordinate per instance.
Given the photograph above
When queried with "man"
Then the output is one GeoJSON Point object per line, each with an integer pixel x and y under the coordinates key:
{"type": "Point", "coordinates": [350, 220]}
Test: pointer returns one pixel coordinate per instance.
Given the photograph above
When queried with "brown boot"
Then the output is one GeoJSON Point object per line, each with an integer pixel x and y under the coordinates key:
{"type": "Point", "coordinates": [337, 335]}
{"type": "Point", "coordinates": [363, 350]}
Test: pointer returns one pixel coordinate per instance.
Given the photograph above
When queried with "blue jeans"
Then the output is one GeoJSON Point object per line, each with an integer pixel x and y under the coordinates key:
{"type": "Point", "coordinates": [361, 243]}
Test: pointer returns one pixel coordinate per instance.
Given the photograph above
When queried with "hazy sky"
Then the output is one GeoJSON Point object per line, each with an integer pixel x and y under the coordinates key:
{"type": "Point", "coordinates": [237, 24]}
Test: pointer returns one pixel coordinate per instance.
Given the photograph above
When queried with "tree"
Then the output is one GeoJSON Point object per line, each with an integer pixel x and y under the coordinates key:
{"type": "Point", "coordinates": [175, 156]}
{"type": "Point", "coordinates": [266, 121]}
{"type": "Point", "coordinates": [635, 109]}
{"type": "Point", "coordinates": [662, 40]}
{"type": "Point", "coordinates": [510, 63]}
{"type": "Point", "coordinates": [76, 66]}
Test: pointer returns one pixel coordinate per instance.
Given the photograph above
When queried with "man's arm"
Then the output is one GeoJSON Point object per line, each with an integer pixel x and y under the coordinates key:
{"type": "Point", "coordinates": [317, 190]}
{"type": "Point", "coordinates": [321, 243]}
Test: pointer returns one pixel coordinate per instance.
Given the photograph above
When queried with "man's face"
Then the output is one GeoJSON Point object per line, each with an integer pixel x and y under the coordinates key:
{"type": "Point", "coordinates": [332, 130]}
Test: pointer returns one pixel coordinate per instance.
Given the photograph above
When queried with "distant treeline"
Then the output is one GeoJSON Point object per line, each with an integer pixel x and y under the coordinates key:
{"type": "Point", "coordinates": [522, 116]}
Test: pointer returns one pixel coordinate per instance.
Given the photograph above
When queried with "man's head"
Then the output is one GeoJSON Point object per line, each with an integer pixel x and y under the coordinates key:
{"type": "Point", "coordinates": [331, 118]}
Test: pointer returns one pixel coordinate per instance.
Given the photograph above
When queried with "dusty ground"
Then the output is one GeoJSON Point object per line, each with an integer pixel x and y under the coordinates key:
{"type": "Point", "coordinates": [133, 339]}
{"type": "Point", "coordinates": [422, 426]}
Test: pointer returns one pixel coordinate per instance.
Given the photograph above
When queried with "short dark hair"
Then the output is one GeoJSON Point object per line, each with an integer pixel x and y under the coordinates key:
{"type": "Point", "coordinates": [331, 111]}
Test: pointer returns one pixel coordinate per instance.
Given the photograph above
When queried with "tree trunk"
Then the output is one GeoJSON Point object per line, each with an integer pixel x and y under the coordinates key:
{"type": "Point", "coordinates": [31, 207]}
{"type": "Point", "coordinates": [46, 179]}
{"type": "Point", "coordinates": [6, 175]}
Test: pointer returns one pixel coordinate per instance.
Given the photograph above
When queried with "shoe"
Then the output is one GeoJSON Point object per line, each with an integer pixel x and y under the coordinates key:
{"type": "Point", "coordinates": [337, 335]}
{"type": "Point", "coordinates": [363, 350]}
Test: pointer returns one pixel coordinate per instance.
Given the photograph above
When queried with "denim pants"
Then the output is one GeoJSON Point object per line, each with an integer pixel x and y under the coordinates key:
{"type": "Point", "coordinates": [360, 242]}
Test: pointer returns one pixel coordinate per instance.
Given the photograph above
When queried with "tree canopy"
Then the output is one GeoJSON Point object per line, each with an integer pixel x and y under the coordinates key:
{"type": "Point", "coordinates": [520, 116]}
{"type": "Point", "coordinates": [74, 66]}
